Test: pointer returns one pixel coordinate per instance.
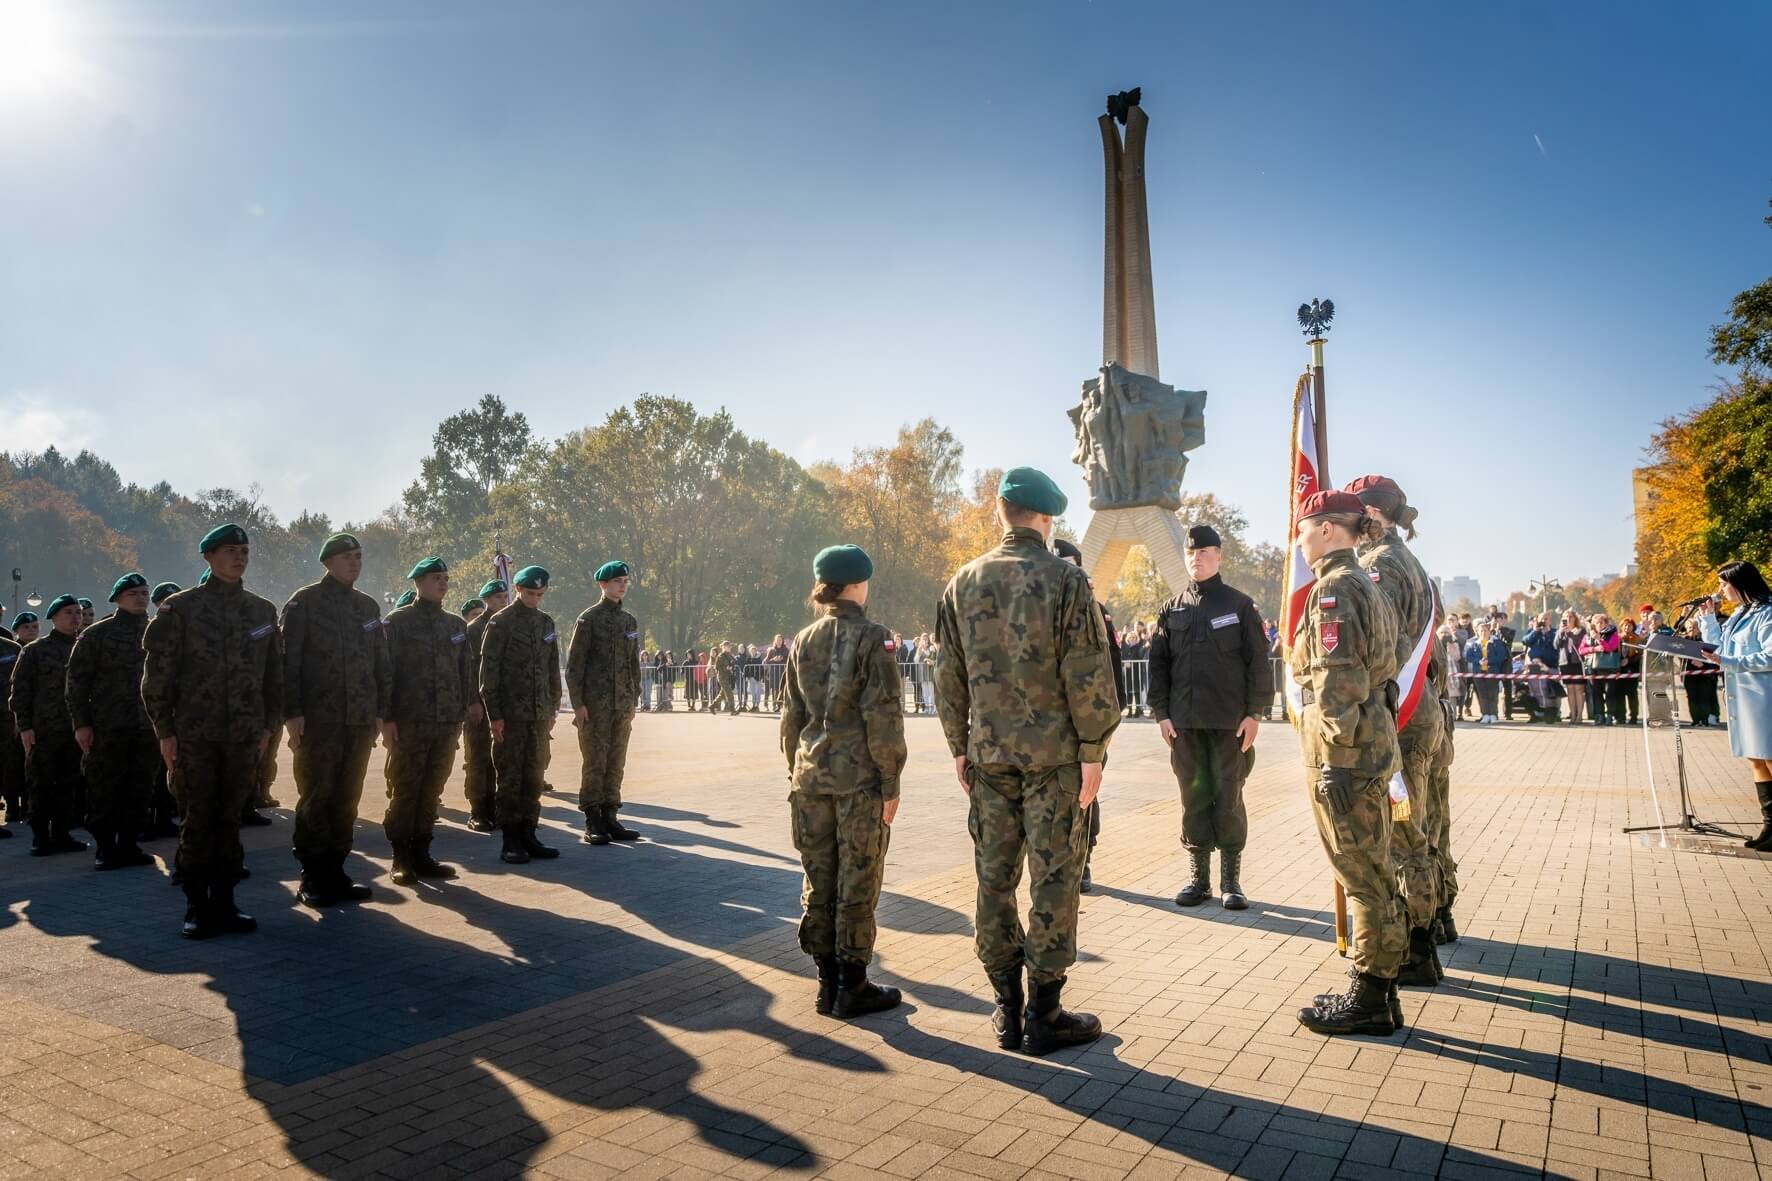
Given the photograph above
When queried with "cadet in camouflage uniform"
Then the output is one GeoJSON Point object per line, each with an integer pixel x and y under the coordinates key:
{"type": "Point", "coordinates": [1025, 690]}
{"type": "Point", "coordinates": [1400, 578]}
{"type": "Point", "coordinates": [112, 728]}
{"type": "Point", "coordinates": [162, 811]}
{"type": "Point", "coordinates": [725, 670]}
{"type": "Point", "coordinates": [1440, 790]}
{"type": "Point", "coordinates": [603, 684]}
{"type": "Point", "coordinates": [46, 732]}
{"type": "Point", "coordinates": [432, 695]}
{"type": "Point", "coordinates": [335, 692]}
{"type": "Point", "coordinates": [213, 685]}
{"type": "Point", "coordinates": [1343, 661]}
{"type": "Point", "coordinates": [520, 686]}
{"type": "Point", "coordinates": [842, 729]}
{"type": "Point", "coordinates": [12, 756]}
{"type": "Point", "coordinates": [477, 736]}
{"type": "Point", "coordinates": [470, 610]}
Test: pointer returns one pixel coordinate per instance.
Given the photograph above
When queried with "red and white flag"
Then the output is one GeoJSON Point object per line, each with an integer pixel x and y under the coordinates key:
{"type": "Point", "coordinates": [1412, 678]}
{"type": "Point", "coordinates": [1306, 479]}
{"type": "Point", "coordinates": [501, 565]}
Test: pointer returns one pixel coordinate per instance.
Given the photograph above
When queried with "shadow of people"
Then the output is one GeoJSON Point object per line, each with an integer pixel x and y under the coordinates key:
{"type": "Point", "coordinates": [660, 812]}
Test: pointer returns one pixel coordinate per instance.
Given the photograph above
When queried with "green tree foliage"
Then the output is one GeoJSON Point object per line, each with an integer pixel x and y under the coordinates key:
{"type": "Point", "coordinates": [1745, 338]}
{"type": "Point", "coordinates": [448, 510]}
{"type": "Point", "coordinates": [1253, 567]}
{"type": "Point", "coordinates": [58, 545]}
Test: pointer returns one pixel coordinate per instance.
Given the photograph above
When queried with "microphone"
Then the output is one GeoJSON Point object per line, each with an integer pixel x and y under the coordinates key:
{"type": "Point", "coordinates": [1699, 601]}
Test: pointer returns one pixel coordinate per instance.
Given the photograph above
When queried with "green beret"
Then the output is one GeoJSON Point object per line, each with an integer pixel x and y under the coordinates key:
{"type": "Point", "coordinates": [222, 535]}
{"type": "Point", "coordinates": [610, 570]}
{"type": "Point", "coordinates": [203, 578]}
{"type": "Point", "coordinates": [128, 582]}
{"type": "Point", "coordinates": [163, 590]}
{"type": "Point", "coordinates": [469, 606]}
{"type": "Point", "coordinates": [1032, 489]}
{"type": "Point", "coordinates": [405, 598]}
{"type": "Point", "coordinates": [495, 587]}
{"type": "Point", "coordinates": [60, 603]}
{"type": "Point", "coordinates": [85, 603]}
{"type": "Point", "coordinates": [841, 565]}
{"type": "Point", "coordinates": [431, 565]}
{"type": "Point", "coordinates": [24, 617]}
{"type": "Point", "coordinates": [339, 543]}
{"type": "Point", "coordinates": [532, 577]}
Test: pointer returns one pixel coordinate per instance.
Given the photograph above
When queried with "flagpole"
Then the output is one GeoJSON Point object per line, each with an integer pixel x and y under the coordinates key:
{"type": "Point", "coordinates": [1321, 406]}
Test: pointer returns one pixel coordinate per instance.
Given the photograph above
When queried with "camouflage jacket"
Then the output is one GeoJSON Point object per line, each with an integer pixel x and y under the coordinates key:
{"type": "Point", "coordinates": [725, 666]}
{"type": "Point", "coordinates": [1024, 676]}
{"type": "Point", "coordinates": [1400, 578]}
{"type": "Point", "coordinates": [9, 653]}
{"type": "Point", "coordinates": [214, 671]}
{"type": "Point", "coordinates": [39, 686]}
{"type": "Point", "coordinates": [105, 674]}
{"type": "Point", "coordinates": [335, 658]}
{"type": "Point", "coordinates": [1345, 656]}
{"type": "Point", "coordinates": [476, 645]}
{"type": "Point", "coordinates": [520, 665]}
{"type": "Point", "coordinates": [842, 724]}
{"type": "Point", "coordinates": [430, 680]}
{"type": "Point", "coordinates": [603, 664]}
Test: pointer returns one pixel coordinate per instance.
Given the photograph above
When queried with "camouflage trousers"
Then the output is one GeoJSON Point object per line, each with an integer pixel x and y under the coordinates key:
{"type": "Point", "coordinates": [1029, 814]}
{"type": "Point", "coordinates": [330, 765]}
{"type": "Point", "coordinates": [603, 741]}
{"type": "Point", "coordinates": [267, 773]}
{"type": "Point", "coordinates": [1417, 873]}
{"type": "Point", "coordinates": [52, 777]}
{"type": "Point", "coordinates": [518, 763]}
{"type": "Point", "coordinates": [1358, 844]}
{"type": "Point", "coordinates": [842, 840]}
{"type": "Point", "coordinates": [418, 766]}
{"type": "Point", "coordinates": [476, 741]}
{"type": "Point", "coordinates": [212, 782]}
{"type": "Point", "coordinates": [1210, 766]}
{"type": "Point", "coordinates": [724, 694]}
{"type": "Point", "coordinates": [1439, 786]}
{"type": "Point", "coordinates": [119, 775]}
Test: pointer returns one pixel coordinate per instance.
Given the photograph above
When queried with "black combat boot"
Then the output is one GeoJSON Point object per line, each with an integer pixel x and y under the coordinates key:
{"type": "Point", "coordinates": [534, 847]}
{"type": "Point", "coordinates": [401, 873]}
{"type": "Point", "coordinates": [1394, 1002]}
{"type": "Point", "coordinates": [1011, 1000]}
{"type": "Point", "coordinates": [226, 917]}
{"type": "Point", "coordinates": [426, 866]}
{"type": "Point", "coordinates": [63, 841]}
{"type": "Point", "coordinates": [41, 845]}
{"type": "Point", "coordinates": [342, 885]}
{"type": "Point", "coordinates": [1200, 889]}
{"type": "Point", "coordinates": [596, 828]}
{"type": "Point", "coordinates": [1763, 842]}
{"type": "Point", "coordinates": [128, 854]}
{"type": "Point", "coordinates": [253, 818]}
{"type": "Point", "coordinates": [618, 830]}
{"type": "Point", "coordinates": [482, 821]}
{"type": "Point", "coordinates": [513, 853]}
{"type": "Point", "coordinates": [827, 983]}
{"type": "Point", "coordinates": [1045, 1026]}
{"type": "Point", "coordinates": [106, 857]}
{"type": "Point", "coordinates": [856, 997]}
{"type": "Point", "coordinates": [1088, 882]}
{"type": "Point", "coordinates": [1231, 889]}
{"type": "Point", "coordinates": [1364, 1008]}
{"type": "Point", "coordinates": [197, 921]}
{"type": "Point", "coordinates": [1422, 968]}
{"type": "Point", "coordinates": [316, 889]}
{"type": "Point", "coordinates": [1446, 931]}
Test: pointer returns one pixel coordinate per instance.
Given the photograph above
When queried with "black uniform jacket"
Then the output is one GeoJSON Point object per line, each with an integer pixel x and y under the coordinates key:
{"type": "Point", "coordinates": [1209, 659]}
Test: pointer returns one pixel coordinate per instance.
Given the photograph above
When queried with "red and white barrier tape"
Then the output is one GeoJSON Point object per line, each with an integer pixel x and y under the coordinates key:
{"type": "Point", "coordinates": [1577, 677]}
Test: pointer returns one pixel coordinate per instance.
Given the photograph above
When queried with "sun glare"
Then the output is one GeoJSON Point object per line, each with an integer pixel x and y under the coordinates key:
{"type": "Point", "coordinates": [36, 48]}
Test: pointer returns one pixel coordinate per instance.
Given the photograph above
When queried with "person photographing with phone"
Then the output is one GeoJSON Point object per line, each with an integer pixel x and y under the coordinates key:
{"type": "Point", "coordinates": [1744, 652]}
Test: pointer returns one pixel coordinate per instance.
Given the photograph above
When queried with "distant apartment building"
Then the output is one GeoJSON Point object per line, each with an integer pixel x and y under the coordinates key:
{"type": "Point", "coordinates": [1459, 588]}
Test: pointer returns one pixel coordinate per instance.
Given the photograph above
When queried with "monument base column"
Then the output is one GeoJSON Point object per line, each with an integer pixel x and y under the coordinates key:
{"type": "Point", "coordinates": [1113, 532]}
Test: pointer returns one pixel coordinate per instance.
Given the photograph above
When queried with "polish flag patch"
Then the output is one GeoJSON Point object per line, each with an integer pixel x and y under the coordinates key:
{"type": "Point", "coordinates": [890, 645]}
{"type": "Point", "coordinates": [1331, 634]}
{"type": "Point", "coordinates": [1327, 601]}
{"type": "Point", "coordinates": [1373, 575]}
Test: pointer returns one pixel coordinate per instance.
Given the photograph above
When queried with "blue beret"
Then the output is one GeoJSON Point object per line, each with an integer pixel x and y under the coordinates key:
{"type": "Point", "coordinates": [532, 577]}
{"type": "Point", "coordinates": [431, 565]}
{"type": "Point", "coordinates": [164, 590]}
{"type": "Point", "coordinates": [1032, 489]}
{"type": "Point", "coordinates": [469, 606]}
{"type": "Point", "coordinates": [60, 603]}
{"type": "Point", "coordinates": [608, 570]}
{"type": "Point", "coordinates": [128, 582]}
{"type": "Point", "coordinates": [24, 617]}
{"type": "Point", "coordinates": [405, 598]}
{"type": "Point", "coordinates": [222, 535]}
{"type": "Point", "coordinates": [841, 565]}
{"type": "Point", "coordinates": [339, 543]}
{"type": "Point", "coordinates": [495, 587]}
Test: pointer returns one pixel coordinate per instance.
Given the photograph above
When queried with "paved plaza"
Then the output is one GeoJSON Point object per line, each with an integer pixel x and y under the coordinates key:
{"type": "Point", "coordinates": [644, 1011]}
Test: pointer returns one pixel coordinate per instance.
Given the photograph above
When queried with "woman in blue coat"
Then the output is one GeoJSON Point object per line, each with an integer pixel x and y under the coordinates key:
{"type": "Point", "coordinates": [1744, 650]}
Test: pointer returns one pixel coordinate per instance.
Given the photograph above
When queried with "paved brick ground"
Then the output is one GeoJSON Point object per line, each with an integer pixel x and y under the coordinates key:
{"type": "Point", "coordinates": [644, 1011]}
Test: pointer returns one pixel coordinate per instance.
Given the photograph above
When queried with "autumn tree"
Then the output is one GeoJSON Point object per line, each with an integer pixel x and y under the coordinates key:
{"type": "Point", "coordinates": [1253, 567]}
{"type": "Point", "coordinates": [448, 509]}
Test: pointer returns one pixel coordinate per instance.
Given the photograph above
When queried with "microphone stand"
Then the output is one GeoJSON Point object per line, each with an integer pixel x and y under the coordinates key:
{"type": "Point", "coordinates": [1689, 822]}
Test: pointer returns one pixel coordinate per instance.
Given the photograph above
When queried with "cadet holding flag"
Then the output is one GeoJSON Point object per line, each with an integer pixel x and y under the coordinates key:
{"type": "Point", "coordinates": [46, 732]}
{"type": "Point", "coordinates": [1343, 660]}
{"type": "Point", "coordinates": [842, 729]}
{"type": "Point", "coordinates": [477, 735]}
{"type": "Point", "coordinates": [431, 695]}
{"type": "Point", "coordinates": [603, 685]}
{"type": "Point", "coordinates": [335, 691]}
{"type": "Point", "coordinates": [1025, 690]}
{"type": "Point", "coordinates": [112, 727]}
{"type": "Point", "coordinates": [520, 686]}
{"type": "Point", "coordinates": [213, 687]}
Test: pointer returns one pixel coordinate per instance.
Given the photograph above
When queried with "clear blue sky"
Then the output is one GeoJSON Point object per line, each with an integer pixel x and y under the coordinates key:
{"type": "Point", "coordinates": [276, 243]}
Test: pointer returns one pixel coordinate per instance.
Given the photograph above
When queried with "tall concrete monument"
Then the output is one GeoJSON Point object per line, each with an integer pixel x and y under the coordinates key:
{"type": "Point", "coordinates": [1133, 432]}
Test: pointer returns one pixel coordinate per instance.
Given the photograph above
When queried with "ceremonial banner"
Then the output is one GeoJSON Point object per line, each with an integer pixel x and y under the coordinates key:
{"type": "Point", "coordinates": [1299, 575]}
{"type": "Point", "coordinates": [1412, 678]}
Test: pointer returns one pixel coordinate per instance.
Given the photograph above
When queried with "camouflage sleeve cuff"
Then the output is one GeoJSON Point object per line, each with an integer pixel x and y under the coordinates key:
{"type": "Point", "coordinates": [1341, 756]}
{"type": "Point", "coordinates": [889, 788]}
{"type": "Point", "coordinates": [1091, 752]}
